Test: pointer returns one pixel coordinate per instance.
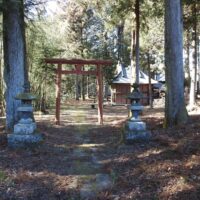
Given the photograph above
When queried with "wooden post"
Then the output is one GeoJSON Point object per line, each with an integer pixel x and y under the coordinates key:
{"type": "Point", "coordinates": [58, 87]}
{"type": "Point", "coordinates": [100, 95]}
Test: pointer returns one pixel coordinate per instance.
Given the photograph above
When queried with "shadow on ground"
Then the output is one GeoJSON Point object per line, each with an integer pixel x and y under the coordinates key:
{"type": "Point", "coordinates": [167, 167]}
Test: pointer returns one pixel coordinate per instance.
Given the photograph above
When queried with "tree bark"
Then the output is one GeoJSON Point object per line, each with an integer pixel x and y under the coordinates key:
{"type": "Point", "coordinates": [132, 54]}
{"type": "Point", "coordinates": [187, 67]}
{"type": "Point", "coordinates": [198, 68]}
{"type": "Point", "coordinates": [15, 72]}
{"type": "Point", "coordinates": [193, 70]}
{"type": "Point", "coordinates": [137, 45]}
{"type": "Point", "coordinates": [120, 41]}
{"type": "Point", "coordinates": [193, 80]}
{"type": "Point", "coordinates": [1, 81]}
{"type": "Point", "coordinates": [150, 86]}
{"type": "Point", "coordinates": [175, 110]}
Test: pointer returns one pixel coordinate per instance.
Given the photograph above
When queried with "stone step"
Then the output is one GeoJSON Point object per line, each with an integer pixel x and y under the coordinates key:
{"type": "Point", "coordinates": [92, 187]}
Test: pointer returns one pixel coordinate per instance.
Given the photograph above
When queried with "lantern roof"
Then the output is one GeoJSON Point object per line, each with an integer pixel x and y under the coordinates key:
{"type": "Point", "coordinates": [26, 96]}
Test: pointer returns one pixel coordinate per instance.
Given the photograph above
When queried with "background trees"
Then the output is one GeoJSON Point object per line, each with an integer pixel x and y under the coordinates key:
{"type": "Point", "coordinates": [94, 29]}
{"type": "Point", "coordinates": [191, 11]}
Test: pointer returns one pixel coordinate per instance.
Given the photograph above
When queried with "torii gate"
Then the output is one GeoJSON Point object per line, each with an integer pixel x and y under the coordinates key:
{"type": "Point", "coordinates": [78, 63]}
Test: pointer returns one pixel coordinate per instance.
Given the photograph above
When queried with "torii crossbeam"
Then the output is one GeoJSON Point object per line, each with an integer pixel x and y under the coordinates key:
{"type": "Point", "coordinates": [79, 64]}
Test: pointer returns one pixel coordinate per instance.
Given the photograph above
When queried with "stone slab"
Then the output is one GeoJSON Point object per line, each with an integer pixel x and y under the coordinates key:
{"type": "Point", "coordinates": [137, 108]}
{"type": "Point", "coordinates": [90, 189]}
{"type": "Point", "coordinates": [26, 121]}
{"type": "Point", "coordinates": [23, 141]}
{"type": "Point", "coordinates": [136, 136]}
{"type": "Point", "coordinates": [135, 126]}
{"type": "Point", "coordinates": [24, 129]}
{"type": "Point", "coordinates": [133, 119]}
{"type": "Point", "coordinates": [103, 181]}
{"type": "Point", "coordinates": [25, 109]}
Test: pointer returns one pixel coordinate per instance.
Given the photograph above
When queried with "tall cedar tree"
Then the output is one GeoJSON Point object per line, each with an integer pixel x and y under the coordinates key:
{"type": "Point", "coordinates": [15, 72]}
{"type": "Point", "coordinates": [175, 110]}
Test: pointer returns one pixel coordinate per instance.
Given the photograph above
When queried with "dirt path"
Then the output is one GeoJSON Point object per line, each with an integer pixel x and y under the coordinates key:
{"type": "Point", "coordinates": [68, 165]}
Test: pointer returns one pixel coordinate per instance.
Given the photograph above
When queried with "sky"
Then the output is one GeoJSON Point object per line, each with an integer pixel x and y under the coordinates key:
{"type": "Point", "coordinates": [51, 7]}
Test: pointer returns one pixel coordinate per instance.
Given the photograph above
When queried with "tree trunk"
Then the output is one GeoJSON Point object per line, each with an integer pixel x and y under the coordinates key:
{"type": "Point", "coordinates": [105, 44]}
{"type": "Point", "coordinates": [15, 72]}
{"type": "Point", "coordinates": [150, 87]}
{"type": "Point", "coordinates": [175, 110]}
{"type": "Point", "coordinates": [120, 41]}
{"type": "Point", "coordinates": [132, 54]}
{"type": "Point", "coordinates": [192, 98]}
{"type": "Point", "coordinates": [187, 67]}
{"type": "Point", "coordinates": [193, 80]}
{"type": "Point", "coordinates": [198, 68]}
{"type": "Point", "coordinates": [137, 46]}
{"type": "Point", "coordinates": [1, 81]}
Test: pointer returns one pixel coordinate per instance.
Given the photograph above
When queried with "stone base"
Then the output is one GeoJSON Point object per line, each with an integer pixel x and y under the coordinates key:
{"type": "Point", "coordinates": [24, 141]}
{"type": "Point", "coordinates": [135, 131]}
{"type": "Point", "coordinates": [25, 129]}
{"type": "Point", "coordinates": [136, 136]}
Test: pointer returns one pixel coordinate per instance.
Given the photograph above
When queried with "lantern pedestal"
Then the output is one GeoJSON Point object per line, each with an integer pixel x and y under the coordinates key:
{"type": "Point", "coordinates": [135, 131]}
{"type": "Point", "coordinates": [25, 135]}
{"type": "Point", "coordinates": [135, 128]}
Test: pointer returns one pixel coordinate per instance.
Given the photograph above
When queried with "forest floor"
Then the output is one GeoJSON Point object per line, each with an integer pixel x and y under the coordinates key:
{"type": "Point", "coordinates": [80, 159]}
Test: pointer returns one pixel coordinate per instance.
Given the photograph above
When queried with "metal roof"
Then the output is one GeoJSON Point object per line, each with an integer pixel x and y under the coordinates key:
{"type": "Point", "coordinates": [124, 76]}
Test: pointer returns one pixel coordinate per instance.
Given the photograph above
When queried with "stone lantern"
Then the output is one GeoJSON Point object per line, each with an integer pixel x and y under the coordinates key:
{"type": "Point", "coordinates": [135, 128]}
{"type": "Point", "coordinates": [25, 134]}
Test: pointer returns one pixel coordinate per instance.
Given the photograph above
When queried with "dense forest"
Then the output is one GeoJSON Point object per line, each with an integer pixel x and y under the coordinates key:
{"type": "Point", "coordinates": [128, 32]}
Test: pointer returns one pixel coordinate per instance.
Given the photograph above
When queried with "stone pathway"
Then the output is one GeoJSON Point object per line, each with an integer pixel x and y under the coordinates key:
{"type": "Point", "coordinates": [88, 169]}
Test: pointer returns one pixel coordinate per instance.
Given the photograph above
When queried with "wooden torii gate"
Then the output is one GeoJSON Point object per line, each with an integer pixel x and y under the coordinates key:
{"type": "Point", "coordinates": [79, 64]}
